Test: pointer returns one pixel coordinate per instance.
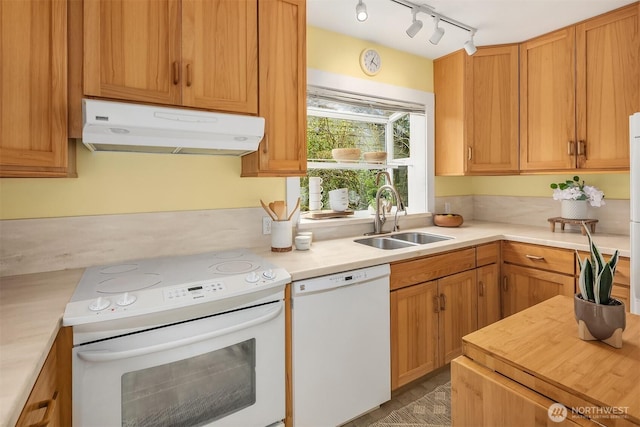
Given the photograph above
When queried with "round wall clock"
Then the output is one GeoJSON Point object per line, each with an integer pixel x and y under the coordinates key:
{"type": "Point", "coordinates": [370, 61]}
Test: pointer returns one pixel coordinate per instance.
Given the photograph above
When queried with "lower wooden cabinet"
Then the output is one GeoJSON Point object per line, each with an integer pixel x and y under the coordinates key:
{"type": "Point", "coordinates": [482, 397]}
{"type": "Point", "coordinates": [49, 403]}
{"type": "Point", "coordinates": [534, 273]}
{"type": "Point", "coordinates": [523, 287]}
{"type": "Point", "coordinates": [430, 317]}
{"type": "Point", "coordinates": [489, 307]}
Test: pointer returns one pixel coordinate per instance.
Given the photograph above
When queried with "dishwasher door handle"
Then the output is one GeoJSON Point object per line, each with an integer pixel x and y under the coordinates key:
{"type": "Point", "coordinates": [109, 356]}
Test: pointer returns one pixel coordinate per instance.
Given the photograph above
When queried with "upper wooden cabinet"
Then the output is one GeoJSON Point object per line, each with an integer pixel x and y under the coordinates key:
{"type": "Point", "coordinates": [33, 88]}
{"type": "Point", "coordinates": [476, 112]}
{"type": "Point", "coordinates": [283, 85]}
{"type": "Point", "coordinates": [177, 52]}
{"type": "Point", "coordinates": [578, 86]}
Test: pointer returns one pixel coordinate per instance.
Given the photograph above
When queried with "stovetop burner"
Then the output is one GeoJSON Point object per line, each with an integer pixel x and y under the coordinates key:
{"type": "Point", "coordinates": [141, 287]}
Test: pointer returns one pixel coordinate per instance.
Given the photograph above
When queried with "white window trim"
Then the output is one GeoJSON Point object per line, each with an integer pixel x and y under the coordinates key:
{"type": "Point", "coordinates": [341, 82]}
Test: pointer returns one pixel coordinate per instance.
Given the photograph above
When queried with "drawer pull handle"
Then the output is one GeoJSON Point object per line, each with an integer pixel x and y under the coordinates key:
{"type": "Point", "coordinates": [470, 153]}
{"type": "Point", "coordinates": [582, 148]}
{"type": "Point", "coordinates": [188, 75]}
{"type": "Point", "coordinates": [443, 302]}
{"type": "Point", "coordinates": [49, 404]}
{"type": "Point", "coordinates": [505, 286]}
{"type": "Point", "coordinates": [535, 257]}
{"type": "Point", "coordinates": [176, 72]}
{"type": "Point", "coordinates": [570, 148]}
{"type": "Point", "coordinates": [481, 288]}
{"type": "Point", "coordinates": [436, 304]}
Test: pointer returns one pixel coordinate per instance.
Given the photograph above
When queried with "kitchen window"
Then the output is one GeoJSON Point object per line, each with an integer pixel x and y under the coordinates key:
{"type": "Point", "coordinates": [404, 107]}
{"type": "Point", "coordinates": [343, 120]}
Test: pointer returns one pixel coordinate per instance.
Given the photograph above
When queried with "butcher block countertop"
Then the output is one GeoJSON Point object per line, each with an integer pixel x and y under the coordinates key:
{"type": "Point", "coordinates": [31, 305]}
{"type": "Point", "coordinates": [540, 349]}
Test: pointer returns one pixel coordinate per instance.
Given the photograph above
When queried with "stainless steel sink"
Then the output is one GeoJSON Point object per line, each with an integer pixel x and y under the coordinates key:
{"type": "Point", "coordinates": [419, 238]}
{"type": "Point", "coordinates": [401, 240]}
{"type": "Point", "coordinates": [384, 243]}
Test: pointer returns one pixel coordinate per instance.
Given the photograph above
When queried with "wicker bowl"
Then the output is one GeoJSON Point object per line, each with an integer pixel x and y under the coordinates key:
{"type": "Point", "coordinates": [345, 153]}
{"type": "Point", "coordinates": [447, 220]}
{"type": "Point", "coordinates": [375, 156]}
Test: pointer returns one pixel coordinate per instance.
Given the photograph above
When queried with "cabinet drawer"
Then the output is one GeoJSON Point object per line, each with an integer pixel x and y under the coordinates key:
{"type": "Point", "coordinates": [420, 270]}
{"type": "Point", "coordinates": [487, 254]}
{"type": "Point", "coordinates": [536, 256]}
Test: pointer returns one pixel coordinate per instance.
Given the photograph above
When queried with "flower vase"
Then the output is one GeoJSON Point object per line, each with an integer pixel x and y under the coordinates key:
{"type": "Point", "coordinates": [573, 209]}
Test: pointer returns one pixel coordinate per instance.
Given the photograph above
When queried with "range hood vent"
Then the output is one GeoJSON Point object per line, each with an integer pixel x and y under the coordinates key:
{"type": "Point", "coordinates": [118, 126]}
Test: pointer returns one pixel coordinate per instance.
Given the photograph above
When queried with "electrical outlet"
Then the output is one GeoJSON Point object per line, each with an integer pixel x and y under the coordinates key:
{"type": "Point", "coordinates": [266, 225]}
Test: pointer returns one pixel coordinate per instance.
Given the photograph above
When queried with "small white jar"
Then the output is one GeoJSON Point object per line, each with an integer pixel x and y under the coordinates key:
{"type": "Point", "coordinates": [303, 243]}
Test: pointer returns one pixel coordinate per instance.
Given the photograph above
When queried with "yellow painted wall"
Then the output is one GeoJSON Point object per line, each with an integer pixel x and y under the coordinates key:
{"type": "Point", "coordinates": [336, 53]}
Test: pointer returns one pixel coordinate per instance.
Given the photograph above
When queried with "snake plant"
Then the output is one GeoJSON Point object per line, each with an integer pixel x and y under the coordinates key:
{"type": "Point", "coordinates": [596, 275]}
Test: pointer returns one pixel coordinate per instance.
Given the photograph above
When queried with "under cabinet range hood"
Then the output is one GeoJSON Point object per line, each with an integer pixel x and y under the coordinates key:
{"type": "Point", "coordinates": [119, 126]}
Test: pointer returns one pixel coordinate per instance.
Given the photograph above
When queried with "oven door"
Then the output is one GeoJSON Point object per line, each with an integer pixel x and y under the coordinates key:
{"type": "Point", "coordinates": [223, 370]}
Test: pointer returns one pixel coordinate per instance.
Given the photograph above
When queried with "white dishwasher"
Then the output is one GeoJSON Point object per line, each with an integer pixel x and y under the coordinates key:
{"type": "Point", "coordinates": [341, 346]}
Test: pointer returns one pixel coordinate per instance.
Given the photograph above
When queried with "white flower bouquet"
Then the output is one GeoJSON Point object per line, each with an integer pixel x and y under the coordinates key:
{"type": "Point", "coordinates": [576, 190]}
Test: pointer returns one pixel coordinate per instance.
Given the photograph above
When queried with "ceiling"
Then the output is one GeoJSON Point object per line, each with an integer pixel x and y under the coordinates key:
{"type": "Point", "coordinates": [497, 21]}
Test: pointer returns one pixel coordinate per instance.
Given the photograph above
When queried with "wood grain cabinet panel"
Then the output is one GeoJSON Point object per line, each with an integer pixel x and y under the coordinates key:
{"type": "Point", "coordinates": [578, 86]}
{"type": "Point", "coordinates": [175, 52]}
{"type": "Point", "coordinates": [49, 403]}
{"type": "Point", "coordinates": [608, 87]}
{"type": "Point", "coordinates": [477, 112]}
{"type": "Point", "coordinates": [430, 317]}
{"type": "Point", "coordinates": [489, 308]}
{"type": "Point", "coordinates": [414, 332]}
{"type": "Point", "coordinates": [33, 88]}
{"type": "Point", "coordinates": [282, 90]}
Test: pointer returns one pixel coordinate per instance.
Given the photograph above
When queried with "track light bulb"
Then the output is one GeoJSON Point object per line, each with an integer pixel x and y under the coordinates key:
{"type": "Point", "coordinates": [437, 33]}
{"type": "Point", "coordinates": [415, 26]}
{"type": "Point", "coordinates": [361, 11]}
{"type": "Point", "coordinates": [469, 46]}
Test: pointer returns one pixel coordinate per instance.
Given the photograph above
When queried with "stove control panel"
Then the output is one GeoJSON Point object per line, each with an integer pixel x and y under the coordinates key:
{"type": "Point", "coordinates": [194, 290]}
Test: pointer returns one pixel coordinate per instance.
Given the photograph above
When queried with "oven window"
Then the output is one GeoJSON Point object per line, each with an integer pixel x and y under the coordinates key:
{"type": "Point", "coordinates": [191, 392]}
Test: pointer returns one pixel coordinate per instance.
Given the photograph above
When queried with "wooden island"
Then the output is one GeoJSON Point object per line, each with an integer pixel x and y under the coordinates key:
{"type": "Point", "coordinates": [513, 371]}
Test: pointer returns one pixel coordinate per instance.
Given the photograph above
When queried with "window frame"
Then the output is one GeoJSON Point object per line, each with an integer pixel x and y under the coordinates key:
{"type": "Point", "coordinates": [339, 82]}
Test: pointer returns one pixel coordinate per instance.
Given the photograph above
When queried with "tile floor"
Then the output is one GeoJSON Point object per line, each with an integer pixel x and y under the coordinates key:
{"type": "Point", "coordinates": [404, 396]}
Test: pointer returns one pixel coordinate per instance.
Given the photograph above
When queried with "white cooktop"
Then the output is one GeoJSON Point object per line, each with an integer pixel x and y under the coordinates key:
{"type": "Point", "coordinates": [223, 280]}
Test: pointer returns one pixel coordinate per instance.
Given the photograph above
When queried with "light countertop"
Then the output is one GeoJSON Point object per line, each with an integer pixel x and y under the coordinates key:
{"type": "Point", "coordinates": [31, 305]}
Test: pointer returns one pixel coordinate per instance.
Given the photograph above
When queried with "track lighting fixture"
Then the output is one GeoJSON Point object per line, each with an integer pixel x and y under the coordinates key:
{"type": "Point", "coordinates": [415, 26]}
{"type": "Point", "coordinates": [469, 46]}
{"type": "Point", "coordinates": [438, 32]}
{"type": "Point", "coordinates": [361, 11]}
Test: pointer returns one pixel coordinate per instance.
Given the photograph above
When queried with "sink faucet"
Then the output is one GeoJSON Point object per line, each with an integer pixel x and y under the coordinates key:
{"type": "Point", "coordinates": [380, 217]}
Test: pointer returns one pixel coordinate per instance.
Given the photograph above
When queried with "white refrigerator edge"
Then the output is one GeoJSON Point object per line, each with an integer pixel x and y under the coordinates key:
{"type": "Point", "coordinates": [634, 226]}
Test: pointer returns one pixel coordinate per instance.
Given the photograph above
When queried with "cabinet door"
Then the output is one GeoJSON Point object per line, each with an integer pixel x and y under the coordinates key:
{"type": "Point", "coordinates": [282, 90]}
{"type": "Point", "coordinates": [491, 110]}
{"type": "Point", "coordinates": [488, 295]}
{"type": "Point", "coordinates": [608, 87]}
{"type": "Point", "coordinates": [220, 54]}
{"type": "Point", "coordinates": [132, 50]}
{"type": "Point", "coordinates": [523, 287]}
{"type": "Point", "coordinates": [450, 132]}
{"type": "Point", "coordinates": [547, 102]}
{"type": "Point", "coordinates": [414, 332]}
{"type": "Point", "coordinates": [33, 88]}
{"type": "Point", "coordinates": [458, 313]}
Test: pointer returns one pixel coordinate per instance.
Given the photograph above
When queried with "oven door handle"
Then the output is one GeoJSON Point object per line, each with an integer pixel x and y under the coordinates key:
{"type": "Point", "coordinates": [109, 356]}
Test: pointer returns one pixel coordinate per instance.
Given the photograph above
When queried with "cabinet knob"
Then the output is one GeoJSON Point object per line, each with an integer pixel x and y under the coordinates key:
{"type": "Point", "coordinates": [443, 302]}
{"type": "Point", "coordinates": [505, 286]}
{"type": "Point", "coordinates": [582, 148]}
{"type": "Point", "coordinates": [436, 304]}
{"type": "Point", "coordinates": [481, 288]}
{"type": "Point", "coordinates": [469, 153]}
{"type": "Point", "coordinates": [570, 145]}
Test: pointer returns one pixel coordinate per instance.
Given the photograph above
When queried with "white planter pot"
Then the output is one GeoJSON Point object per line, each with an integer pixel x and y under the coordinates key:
{"type": "Point", "coordinates": [574, 209]}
